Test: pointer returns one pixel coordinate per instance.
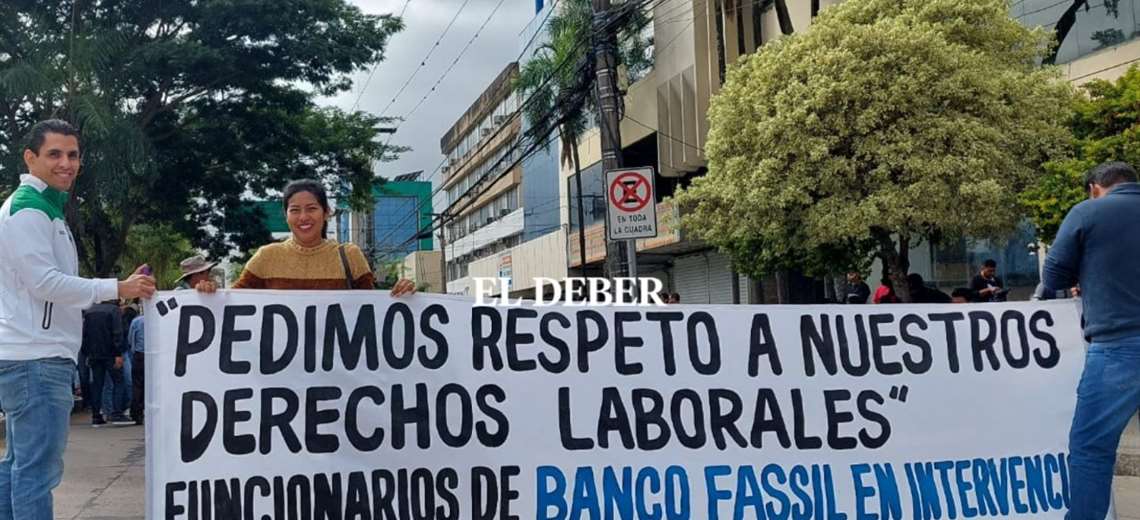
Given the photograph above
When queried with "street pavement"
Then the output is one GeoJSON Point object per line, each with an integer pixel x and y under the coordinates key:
{"type": "Point", "coordinates": [105, 468]}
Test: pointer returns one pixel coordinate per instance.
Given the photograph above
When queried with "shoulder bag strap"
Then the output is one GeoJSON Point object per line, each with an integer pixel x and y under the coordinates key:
{"type": "Point", "coordinates": [347, 269]}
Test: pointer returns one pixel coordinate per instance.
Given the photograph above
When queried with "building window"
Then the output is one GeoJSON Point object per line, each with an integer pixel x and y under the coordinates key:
{"type": "Point", "coordinates": [1095, 26]}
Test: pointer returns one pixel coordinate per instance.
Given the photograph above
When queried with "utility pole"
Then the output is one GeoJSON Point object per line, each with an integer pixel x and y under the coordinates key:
{"type": "Point", "coordinates": [605, 71]}
{"type": "Point", "coordinates": [443, 220]}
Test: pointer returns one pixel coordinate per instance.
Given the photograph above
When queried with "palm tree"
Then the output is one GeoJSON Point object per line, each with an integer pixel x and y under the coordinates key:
{"type": "Point", "coordinates": [558, 78]}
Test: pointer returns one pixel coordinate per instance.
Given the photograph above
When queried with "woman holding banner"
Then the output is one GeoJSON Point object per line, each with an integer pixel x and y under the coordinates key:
{"type": "Point", "coordinates": [308, 260]}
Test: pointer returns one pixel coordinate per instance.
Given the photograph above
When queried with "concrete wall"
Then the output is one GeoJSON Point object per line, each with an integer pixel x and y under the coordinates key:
{"type": "Point", "coordinates": [423, 267]}
{"type": "Point", "coordinates": [544, 256]}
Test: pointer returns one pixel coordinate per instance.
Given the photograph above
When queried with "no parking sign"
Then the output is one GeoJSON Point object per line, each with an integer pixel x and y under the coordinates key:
{"type": "Point", "coordinates": [631, 207]}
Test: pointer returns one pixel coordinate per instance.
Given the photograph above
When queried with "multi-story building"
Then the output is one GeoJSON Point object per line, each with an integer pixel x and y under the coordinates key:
{"type": "Point", "coordinates": [481, 180]}
{"type": "Point", "coordinates": [393, 226]}
{"type": "Point", "coordinates": [666, 127]}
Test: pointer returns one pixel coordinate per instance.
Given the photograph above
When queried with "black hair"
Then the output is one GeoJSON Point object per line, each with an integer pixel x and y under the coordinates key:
{"type": "Point", "coordinates": [886, 282]}
{"type": "Point", "coordinates": [313, 187]}
{"type": "Point", "coordinates": [39, 132]}
{"type": "Point", "coordinates": [963, 292]}
{"type": "Point", "coordinates": [1109, 174]}
{"type": "Point", "coordinates": [915, 280]}
{"type": "Point", "coordinates": [990, 263]}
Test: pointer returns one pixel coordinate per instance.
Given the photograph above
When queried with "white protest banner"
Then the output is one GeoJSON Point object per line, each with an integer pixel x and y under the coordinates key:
{"type": "Point", "coordinates": [353, 405]}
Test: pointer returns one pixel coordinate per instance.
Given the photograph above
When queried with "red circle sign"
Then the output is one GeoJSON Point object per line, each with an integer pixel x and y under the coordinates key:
{"type": "Point", "coordinates": [626, 192]}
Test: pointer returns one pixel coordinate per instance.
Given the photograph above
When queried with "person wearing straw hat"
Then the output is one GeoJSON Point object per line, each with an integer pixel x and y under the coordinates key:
{"type": "Point", "coordinates": [195, 270]}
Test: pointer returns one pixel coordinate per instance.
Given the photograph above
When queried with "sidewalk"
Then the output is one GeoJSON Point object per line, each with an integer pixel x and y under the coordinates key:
{"type": "Point", "coordinates": [104, 476]}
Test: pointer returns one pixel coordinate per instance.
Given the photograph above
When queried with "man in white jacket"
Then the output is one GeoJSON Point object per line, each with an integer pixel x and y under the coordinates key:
{"type": "Point", "coordinates": [41, 320]}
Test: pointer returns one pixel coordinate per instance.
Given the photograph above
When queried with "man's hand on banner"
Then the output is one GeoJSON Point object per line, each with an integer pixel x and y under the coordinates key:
{"type": "Point", "coordinates": [403, 287]}
{"type": "Point", "coordinates": [206, 287]}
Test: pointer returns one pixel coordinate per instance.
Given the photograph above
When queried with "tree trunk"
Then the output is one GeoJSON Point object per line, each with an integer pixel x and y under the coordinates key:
{"type": "Point", "coordinates": [896, 260]}
{"type": "Point", "coordinates": [784, 17]}
{"type": "Point", "coordinates": [1064, 25]}
{"type": "Point", "coordinates": [581, 206]}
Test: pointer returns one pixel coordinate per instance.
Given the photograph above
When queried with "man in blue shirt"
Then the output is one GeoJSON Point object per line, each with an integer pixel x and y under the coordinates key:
{"type": "Point", "coordinates": [1098, 246]}
{"type": "Point", "coordinates": [136, 341]}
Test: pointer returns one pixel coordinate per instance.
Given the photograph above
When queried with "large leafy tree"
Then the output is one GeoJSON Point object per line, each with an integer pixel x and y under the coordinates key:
{"type": "Point", "coordinates": [160, 247]}
{"type": "Point", "coordinates": [888, 122]}
{"type": "Point", "coordinates": [188, 107]}
{"type": "Point", "coordinates": [1106, 127]}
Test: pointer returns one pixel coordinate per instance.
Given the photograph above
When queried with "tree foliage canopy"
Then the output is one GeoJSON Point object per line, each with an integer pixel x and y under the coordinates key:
{"type": "Point", "coordinates": [887, 121]}
{"type": "Point", "coordinates": [158, 246]}
{"type": "Point", "coordinates": [1106, 127]}
{"type": "Point", "coordinates": [187, 106]}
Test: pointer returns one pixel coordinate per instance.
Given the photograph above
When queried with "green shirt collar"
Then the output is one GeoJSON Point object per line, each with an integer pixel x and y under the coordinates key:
{"type": "Point", "coordinates": [56, 198]}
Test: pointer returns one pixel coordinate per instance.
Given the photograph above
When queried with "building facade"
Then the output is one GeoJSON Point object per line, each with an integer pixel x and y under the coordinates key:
{"type": "Point", "coordinates": [482, 181]}
{"type": "Point", "coordinates": [695, 42]}
{"type": "Point", "coordinates": [665, 126]}
{"type": "Point", "coordinates": [392, 227]}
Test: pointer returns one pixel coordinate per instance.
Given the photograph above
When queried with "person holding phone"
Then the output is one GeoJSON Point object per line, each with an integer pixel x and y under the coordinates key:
{"type": "Point", "coordinates": [42, 298]}
{"type": "Point", "coordinates": [987, 284]}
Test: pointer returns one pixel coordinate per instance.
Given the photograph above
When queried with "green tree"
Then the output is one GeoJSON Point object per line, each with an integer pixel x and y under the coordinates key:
{"type": "Point", "coordinates": [160, 247]}
{"type": "Point", "coordinates": [187, 107]}
{"type": "Point", "coordinates": [559, 79]}
{"type": "Point", "coordinates": [1106, 127]}
{"type": "Point", "coordinates": [388, 272]}
{"type": "Point", "coordinates": [888, 122]}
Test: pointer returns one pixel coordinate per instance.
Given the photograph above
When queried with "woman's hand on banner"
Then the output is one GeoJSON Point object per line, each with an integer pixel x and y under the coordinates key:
{"type": "Point", "coordinates": [403, 287]}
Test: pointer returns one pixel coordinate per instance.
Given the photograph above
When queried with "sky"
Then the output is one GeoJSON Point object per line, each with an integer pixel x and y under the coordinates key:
{"type": "Point", "coordinates": [424, 22]}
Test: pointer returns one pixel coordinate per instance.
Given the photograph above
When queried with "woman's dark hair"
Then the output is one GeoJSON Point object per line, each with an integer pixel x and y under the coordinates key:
{"type": "Point", "coordinates": [313, 187]}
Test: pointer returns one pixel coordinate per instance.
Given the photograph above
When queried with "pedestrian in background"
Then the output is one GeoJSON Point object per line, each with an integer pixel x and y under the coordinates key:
{"type": "Point", "coordinates": [1098, 245]}
{"type": "Point", "coordinates": [136, 342]}
{"type": "Point", "coordinates": [963, 295]}
{"type": "Point", "coordinates": [104, 347]}
{"type": "Point", "coordinates": [41, 319]}
{"type": "Point", "coordinates": [920, 293]}
{"type": "Point", "coordinates": [886, 292]}
{"type": "Point", "coordinates": [987, 285]}
{"type": "Point", "coordinates": [856, 291]}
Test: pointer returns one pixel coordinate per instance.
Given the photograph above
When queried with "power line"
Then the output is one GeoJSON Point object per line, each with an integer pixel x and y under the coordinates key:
{"type": "Point", "coordinates": [440, 222]}
{"type": "Point", "coordinates": [519, 58]}
{"type": "Point", "coordinates": [449, 67]}
{"type": "Point", "coordinates": [539, 29]}
{"type": "Point", "coordinates": [424, 61]}
{"type": "Point", "coordinates": [485, 142]}
{"type": "Point", "coordinates": [470, 200]}
{"type": "Point", "coordinates": [363, 88]}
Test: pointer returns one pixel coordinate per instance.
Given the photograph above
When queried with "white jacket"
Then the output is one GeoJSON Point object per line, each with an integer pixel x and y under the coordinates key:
{"type": "Point", "coordinates": [41, 297]}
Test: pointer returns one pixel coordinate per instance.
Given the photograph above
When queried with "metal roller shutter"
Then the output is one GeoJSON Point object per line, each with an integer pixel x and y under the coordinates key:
{"type": "Point", "coordinates": [720, 278]}
{"type": "Point", "coordinates": [690, 279]}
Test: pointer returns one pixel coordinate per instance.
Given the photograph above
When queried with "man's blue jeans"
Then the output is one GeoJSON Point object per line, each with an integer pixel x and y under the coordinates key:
{"type": "Point", "coordinates": [108, 393]}
{"type": "Point", "coordinates": [1107, 398]}
{"type": "Point", "coordinates": [37, 401]}
{"type": "Point", "coordinates": [116, 396]}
